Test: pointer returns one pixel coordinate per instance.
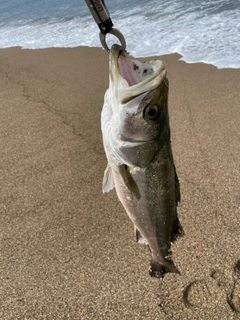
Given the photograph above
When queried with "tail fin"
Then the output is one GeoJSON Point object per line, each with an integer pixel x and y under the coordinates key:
{"type": "Point", "coordinates": [158, 270]}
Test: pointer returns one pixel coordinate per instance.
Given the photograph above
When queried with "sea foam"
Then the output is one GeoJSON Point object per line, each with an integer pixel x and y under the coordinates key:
{"type": "Point", "coordinates": [202, 31]}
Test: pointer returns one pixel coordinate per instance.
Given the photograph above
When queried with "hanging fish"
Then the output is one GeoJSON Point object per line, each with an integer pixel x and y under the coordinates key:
{"type": "Point", "coordinates": [136, 137]}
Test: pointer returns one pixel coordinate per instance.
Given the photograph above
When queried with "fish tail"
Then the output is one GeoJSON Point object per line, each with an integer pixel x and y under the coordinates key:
{"type": "Point", "coordinates": [158, 270]}
{"type": "Point", "coordinates": [172, 268]}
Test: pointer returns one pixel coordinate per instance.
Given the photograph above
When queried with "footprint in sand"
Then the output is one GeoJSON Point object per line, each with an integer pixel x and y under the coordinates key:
{"type": "Point", "coordinates": [201, 293]}
{"type": "Point", "coordinates": [218, 287]}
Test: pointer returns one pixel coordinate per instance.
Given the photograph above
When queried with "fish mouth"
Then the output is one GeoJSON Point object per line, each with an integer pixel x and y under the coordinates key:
{"type": "Point", "coordinates": [133, 77]}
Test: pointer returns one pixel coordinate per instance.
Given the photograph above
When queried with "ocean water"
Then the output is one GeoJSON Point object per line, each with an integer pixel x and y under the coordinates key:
{"type": "Point", "coordinates": [200, 30]}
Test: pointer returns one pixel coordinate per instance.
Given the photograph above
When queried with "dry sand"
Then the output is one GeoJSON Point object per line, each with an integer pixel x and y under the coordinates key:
{"type": "Point", "coordinates": [67, 250]}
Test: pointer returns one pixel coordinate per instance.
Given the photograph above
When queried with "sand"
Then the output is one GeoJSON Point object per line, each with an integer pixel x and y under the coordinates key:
{"type": "Point", "coordinates": [67, 250]}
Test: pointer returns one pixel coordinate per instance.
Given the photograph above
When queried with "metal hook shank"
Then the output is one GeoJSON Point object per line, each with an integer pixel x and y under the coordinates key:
{"type": "Point", "coordinates": [117, 34]}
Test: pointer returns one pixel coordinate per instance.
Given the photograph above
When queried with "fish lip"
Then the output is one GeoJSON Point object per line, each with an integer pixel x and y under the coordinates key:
{"type": "Point", "coordinates": [144, 86]}
{"type": "Point", "coordinates": [114, 54]}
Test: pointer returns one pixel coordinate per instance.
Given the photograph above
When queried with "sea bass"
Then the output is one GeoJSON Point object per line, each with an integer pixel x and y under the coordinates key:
{"type": "Point", "coordinates": [136, 138]}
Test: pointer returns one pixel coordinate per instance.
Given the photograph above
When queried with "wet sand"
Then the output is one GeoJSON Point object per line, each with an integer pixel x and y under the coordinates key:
{"type": "Point", "coordinates": [67, 250]}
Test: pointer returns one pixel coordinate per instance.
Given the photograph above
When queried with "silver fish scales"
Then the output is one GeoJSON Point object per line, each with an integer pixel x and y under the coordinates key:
{"type": "Point", "coordinates": [136, 138]}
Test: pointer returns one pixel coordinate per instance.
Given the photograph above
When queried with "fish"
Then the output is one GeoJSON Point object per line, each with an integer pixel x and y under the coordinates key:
{"type": "Point", "coordinates": [140, 166]}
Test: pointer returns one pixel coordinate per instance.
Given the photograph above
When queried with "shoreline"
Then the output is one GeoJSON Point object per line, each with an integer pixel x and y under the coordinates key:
{"type": "Point", "coordinates": [137, 57]}
{"type": "Point", "coordinates": [69, 251]}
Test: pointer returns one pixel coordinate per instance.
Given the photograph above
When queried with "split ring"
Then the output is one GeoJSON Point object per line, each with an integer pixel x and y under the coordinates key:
{"type": "Point", "coordinates": [117, 34]}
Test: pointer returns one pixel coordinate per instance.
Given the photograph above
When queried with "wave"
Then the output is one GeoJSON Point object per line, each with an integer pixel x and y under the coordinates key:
{"type": "Point", "coordinates": [201, 31]}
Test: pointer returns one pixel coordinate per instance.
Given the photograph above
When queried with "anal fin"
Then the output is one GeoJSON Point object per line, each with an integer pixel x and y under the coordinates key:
{"type": "Point", "coordinates": [139, 237]}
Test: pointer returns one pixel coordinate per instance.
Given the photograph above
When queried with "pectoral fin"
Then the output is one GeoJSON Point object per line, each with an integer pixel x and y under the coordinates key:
{"type": "Point", "coordinates": [128, 180]}
{"type": "Point", "coordinates": [108, 180]}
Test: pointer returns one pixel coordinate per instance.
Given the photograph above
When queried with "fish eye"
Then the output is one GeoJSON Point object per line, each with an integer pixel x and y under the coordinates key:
{"type": "Point", "coordinates": [151, 112]}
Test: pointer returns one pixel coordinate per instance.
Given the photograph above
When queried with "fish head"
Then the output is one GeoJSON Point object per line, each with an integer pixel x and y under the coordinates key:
{"type": "Point", "coordinates": [138, 96]}
{"type": "Point", "coordinates": [141, 91]}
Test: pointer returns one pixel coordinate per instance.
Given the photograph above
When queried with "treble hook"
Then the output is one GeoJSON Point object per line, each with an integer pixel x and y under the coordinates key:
{"type": "Point", "coordinates": [101, 15]}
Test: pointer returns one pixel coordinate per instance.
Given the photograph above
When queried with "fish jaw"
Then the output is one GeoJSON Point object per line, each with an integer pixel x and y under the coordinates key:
{"type": "Point", "coordinates": [131, 78]}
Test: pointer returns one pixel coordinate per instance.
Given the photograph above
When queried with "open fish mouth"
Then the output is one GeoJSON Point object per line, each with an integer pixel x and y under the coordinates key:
{"type": "Point", "coordinates": [133, 77]}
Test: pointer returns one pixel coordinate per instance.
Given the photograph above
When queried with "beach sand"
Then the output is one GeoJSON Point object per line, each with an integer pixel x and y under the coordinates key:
{"type": "Point", "coordinates": [67, 250]}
